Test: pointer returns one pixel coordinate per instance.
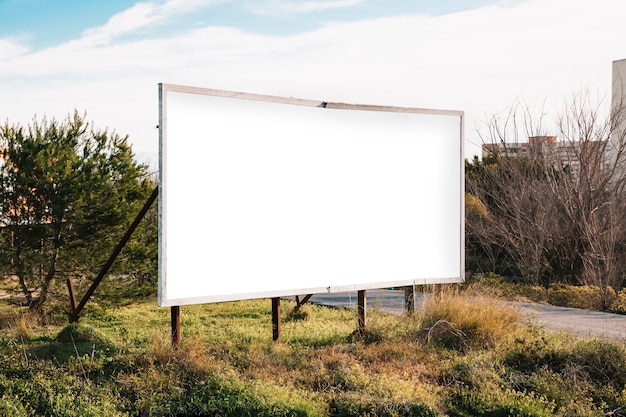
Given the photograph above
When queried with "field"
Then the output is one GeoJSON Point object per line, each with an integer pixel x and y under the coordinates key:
{"type": "Point", "coordinates": [461, 356]}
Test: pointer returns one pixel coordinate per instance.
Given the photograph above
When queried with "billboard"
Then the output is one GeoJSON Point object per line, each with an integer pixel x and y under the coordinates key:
{"type": "Point", "coordinates": [264, 196]}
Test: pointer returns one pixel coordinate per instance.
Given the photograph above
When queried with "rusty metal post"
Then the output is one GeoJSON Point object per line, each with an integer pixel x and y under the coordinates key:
{"type": "Point", "coordinates": [302, 301]}
{"type": "Point", "coordinates": [175, 315]}
{"type": "Point", "coordinates": [276, 319]}
{"type": "Point", "coordinates": [409, 299]}
{"type": "Point", "coordinates": [362, 310]}
{"type": "Point", "coordinates": [70, 288]}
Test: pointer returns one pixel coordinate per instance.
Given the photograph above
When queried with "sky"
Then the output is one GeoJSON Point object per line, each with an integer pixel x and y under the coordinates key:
{"type": "Point", "coordinates": [106, 58]}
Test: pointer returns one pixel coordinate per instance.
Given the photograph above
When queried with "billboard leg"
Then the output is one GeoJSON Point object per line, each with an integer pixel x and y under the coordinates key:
{"type": "Point", "coordinates": [276, 319]}
{"type": "Point", "coordinates": [175, 314]}
{"type": "Point", "coordinates": [362, 310]}
{"type": "Point", "coordinates": [409, 299]}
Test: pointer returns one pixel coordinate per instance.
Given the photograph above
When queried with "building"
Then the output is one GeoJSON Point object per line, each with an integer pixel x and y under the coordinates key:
{"type": "Point", "coordinates": [569, 153]}
{"type": "Point", "coordinates": [618, 99]}
{"type": "Point", "coordinates": [566, 155]}
{"type": "Point", "coordinates": [534, 147]}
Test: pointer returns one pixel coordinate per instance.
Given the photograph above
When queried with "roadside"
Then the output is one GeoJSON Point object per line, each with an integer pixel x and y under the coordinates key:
{"type": "Point", "coordinates": [583, 323]}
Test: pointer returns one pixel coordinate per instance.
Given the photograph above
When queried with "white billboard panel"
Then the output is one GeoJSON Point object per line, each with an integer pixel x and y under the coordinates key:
{"type": "Point", "coordinates": [265, 196]}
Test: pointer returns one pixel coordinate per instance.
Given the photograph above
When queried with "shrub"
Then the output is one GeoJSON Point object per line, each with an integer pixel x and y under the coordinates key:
{"type": "Point", "coordinates": [602, 361]}
{"type": "Point", "coordinates": [585, 296]}
{"type": "Point", "coordinates": [619, 303]}
{"type": "Point", "coordinates": [587, 375]}
{"type": "Point", "coordinates": [535, 349]}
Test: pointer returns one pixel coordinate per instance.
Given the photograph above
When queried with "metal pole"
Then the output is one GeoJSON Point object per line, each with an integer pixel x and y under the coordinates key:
{"type": "Point", "coordinates": [362, 311]}
{"type": "Point", "coordinates": [175, 315]}
{"type": "Point", "coordinates": [409, 299]}
{"type": "Point", "coordinates": [70, 288]}
{"type": "Point", "coordinates": [276, 319]}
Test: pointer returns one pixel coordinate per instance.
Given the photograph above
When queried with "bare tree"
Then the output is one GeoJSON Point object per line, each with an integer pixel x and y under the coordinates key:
{"type": "Point", "coordinates": [512, 187]}
{"type": "Point", "coordinates": [591, 195]}
{"type": "Point", "coordinates": [557, 203]}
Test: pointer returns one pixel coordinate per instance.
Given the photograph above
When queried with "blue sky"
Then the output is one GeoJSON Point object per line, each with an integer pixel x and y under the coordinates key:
{"type": "Point", "coordinates": [44, 23]}
{"type": "Point", "coordinates": [106, 57]}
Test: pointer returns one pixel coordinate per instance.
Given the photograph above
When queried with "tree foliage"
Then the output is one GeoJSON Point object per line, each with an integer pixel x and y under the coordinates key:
{"type": "Point", "coordinates": [67, 190]}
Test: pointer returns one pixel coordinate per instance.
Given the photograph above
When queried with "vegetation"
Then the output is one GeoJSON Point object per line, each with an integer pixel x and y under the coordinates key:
{"type": "Point", "coordinates": [67, 191]}
{"type": "Point", "coordinates": [551, 212]}
{"type": "Point", "coordinates": [463, 355]}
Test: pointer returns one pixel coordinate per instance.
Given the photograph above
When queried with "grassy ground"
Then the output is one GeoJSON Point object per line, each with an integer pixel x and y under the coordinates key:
{"type": "Point", "coordinates": [461, 356]}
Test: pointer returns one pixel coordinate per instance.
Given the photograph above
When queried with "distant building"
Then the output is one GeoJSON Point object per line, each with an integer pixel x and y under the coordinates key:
{"type": "Point", "coordinates": [568, 154]}
{"type": "Point", "coordinates": [619, 83]}
{"type": "Point", "coordinates": [534, 147]}
{"type": "Point", "coordinates": [565, 154]}
{"type": "Point", "coordinates": [618, 98]}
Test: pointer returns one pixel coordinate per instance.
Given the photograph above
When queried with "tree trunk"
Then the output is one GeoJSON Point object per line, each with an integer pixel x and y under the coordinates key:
{"type": "Point", "coordinates": [37, 304]}
{"type": "Point", "coordinates": [21, 276]}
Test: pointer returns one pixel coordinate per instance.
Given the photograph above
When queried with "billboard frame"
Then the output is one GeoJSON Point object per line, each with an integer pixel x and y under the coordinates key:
{"type": "Point", "coordinates": [165, 89]}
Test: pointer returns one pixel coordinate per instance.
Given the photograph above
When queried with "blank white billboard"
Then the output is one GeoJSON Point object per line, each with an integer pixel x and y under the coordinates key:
{"type": "Point", "coordinates": [264, 196]}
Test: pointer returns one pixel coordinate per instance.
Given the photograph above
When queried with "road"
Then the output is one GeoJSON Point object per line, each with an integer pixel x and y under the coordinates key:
{"type": "Point", "coordinates": [580, 322]}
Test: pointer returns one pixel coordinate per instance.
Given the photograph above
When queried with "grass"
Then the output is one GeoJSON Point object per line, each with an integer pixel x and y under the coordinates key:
{"type": "Point", "coordinates": [463, 355]}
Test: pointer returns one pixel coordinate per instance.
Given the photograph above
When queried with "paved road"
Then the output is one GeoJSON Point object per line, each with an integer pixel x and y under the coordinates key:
{"type": "Point", "coordinates": [580, 322]}
{"type": "Point", "coordinates": [583, 323]}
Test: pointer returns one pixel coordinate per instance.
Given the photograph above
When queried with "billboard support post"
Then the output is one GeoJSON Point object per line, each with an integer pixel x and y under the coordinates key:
{"type": "Point", "coordinates": [409, 299]}
{"type": "Point", "coordinates": [276, 319]}
{"type": "Point", "coordinates": [301, 301]}
{"type": "Point", "coordinates": [362, 311]}
{"type": "Point", "coordinates": [175, 315]}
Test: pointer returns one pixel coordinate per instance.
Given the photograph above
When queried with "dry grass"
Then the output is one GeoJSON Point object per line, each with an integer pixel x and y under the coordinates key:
{"type": "Point", "coordinates": [20, 322]}
{"type": "Point", "coordinates": [463, 355]}
{"type": "Point", "coordinates": [457, 321]}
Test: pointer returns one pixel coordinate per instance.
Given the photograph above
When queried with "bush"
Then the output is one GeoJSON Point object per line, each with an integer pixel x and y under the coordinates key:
{"type": "Point", "coordinates": [536, 349]}
{"type": "Point", "coordinates": [601, 361]}
{"type": "Point", "coordinates": [587, 375]}
{"type": "Point", "coordinates": [505, 287]}
{"type": "Point", "coordinates": [619, 303]}
{"type": "Point", "coordinates": [585, 296]}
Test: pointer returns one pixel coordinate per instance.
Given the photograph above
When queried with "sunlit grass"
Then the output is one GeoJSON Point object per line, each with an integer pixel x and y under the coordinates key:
{"type": "Point", "coordinates": [462, 355]}
{"type": "Point", "coordinates": [459, 321]}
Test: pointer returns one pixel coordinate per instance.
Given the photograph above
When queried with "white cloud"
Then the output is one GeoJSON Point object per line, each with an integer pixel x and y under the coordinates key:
{"type": "Point", "coordinates": [184, 6]}
{"type": "Point", "coordinates": [140, 16]}
{"type": "Point", "coordinates": [12, 47]}
{"type": "Point", "coordinates": [479, 61]}
{"type": "Point", "coordinates": [282, 7]}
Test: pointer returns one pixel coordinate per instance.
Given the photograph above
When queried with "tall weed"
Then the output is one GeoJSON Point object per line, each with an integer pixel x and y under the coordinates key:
{"type": "Point", "coordinates": [459, 322]}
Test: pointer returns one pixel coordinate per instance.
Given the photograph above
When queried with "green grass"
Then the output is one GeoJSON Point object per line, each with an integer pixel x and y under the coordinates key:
{"type": "Point", "coordinates": [461, 356]}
